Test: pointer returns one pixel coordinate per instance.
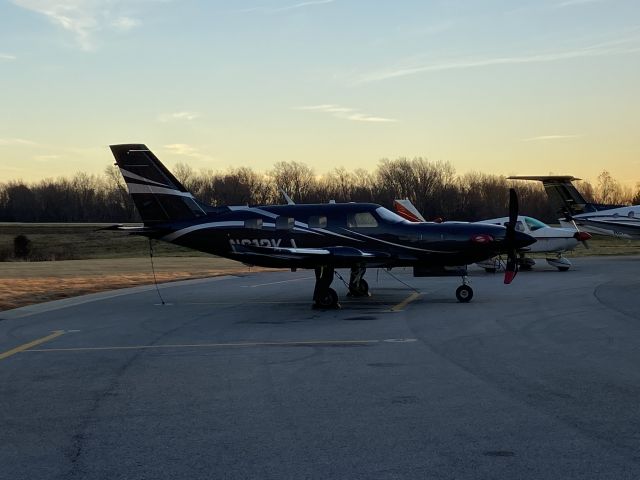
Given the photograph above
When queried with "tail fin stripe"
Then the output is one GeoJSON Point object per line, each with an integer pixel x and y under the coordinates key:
{"type": "Point", "coordinates": [133, 176]}
{"type": "Point", "coordinates": [140, 188]}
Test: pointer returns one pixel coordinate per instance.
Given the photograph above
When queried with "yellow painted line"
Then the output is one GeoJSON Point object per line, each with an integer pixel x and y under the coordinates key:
{"type": "Point", "coordinates": [214, 345]}
{"type": "Point", "coordinates": [32, 344]}
{"type": "Point", "coordinates": [402, 305]}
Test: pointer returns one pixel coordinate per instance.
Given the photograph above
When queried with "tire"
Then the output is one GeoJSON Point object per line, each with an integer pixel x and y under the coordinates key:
{"type": "Point", "coordinates": [464, 293]}
{"type": "Point", "coordinates": [563, 269]}
{"type": "Point", "coordinates": [328, 300]}
{"type": "Point", "coordinates": [359, 290]}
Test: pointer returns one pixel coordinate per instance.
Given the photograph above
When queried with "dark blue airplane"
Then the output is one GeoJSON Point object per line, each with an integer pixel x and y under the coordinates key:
{"type": "Point", "coordinates": [322, 237]}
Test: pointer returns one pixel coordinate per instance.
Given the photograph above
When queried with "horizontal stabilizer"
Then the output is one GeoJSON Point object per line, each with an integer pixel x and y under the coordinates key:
{"type": "Point", "coordinates": [545, 178]}
{"type": "Point", "coordinates": [563, 195]}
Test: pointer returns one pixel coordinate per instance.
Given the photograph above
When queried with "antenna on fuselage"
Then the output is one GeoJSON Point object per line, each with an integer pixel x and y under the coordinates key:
{"type": "Point", "coordinates": [286, 197]}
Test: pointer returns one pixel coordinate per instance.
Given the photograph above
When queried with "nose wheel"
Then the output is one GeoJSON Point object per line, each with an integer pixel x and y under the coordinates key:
{"type": "Point", "coordinates": [464, 293]}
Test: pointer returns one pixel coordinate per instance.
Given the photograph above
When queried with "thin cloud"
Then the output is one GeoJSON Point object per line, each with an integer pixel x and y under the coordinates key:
{"type": "Point", "coordinates": [346, 113]}
{"type": "Point", "coordinates": [6, 56]}
{"type": "Point", "coordinates": [295, 6]}
{"type": "Point", "coordinates": [182, 149]}
{"type": "Point", "coordinates": [544, 138]}
{"type": "Point", "coordinates": [185, 150]}
{"type": "Point", "coordinates": [84, 19]}
{"type": "Point", "coordinates": [15, 142]}
{"type": "Point", "coordinates": [573, 3]}
{"type": "Point", "coordinates": [46, 158]}
{"type": "Point", "coordinates": [177, 116]}
{"type": "Point", "coordinates": [617, 47]}
{"type": "Point", "coordinates": [125, 23]}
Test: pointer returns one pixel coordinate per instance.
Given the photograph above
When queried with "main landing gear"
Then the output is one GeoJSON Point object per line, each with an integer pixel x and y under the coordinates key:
{"type": "Point", "coordinates": [325, 297]}
{"type": "Point", "coordinates": [358, 286]}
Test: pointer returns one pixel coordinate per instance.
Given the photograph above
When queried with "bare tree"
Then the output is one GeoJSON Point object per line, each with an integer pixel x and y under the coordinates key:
{"type": "Point", "coordinates": [295, 178]}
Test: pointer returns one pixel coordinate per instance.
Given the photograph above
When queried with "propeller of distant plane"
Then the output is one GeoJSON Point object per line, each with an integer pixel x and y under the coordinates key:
{"type": "Point", "coordinates": [510, 239]}
{"type": "Point", "coordinates": [581, 236]}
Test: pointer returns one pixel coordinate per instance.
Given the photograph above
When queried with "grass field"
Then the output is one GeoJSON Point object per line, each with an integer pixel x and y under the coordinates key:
{"type": "Point", "coordinates": [81, 258]}
{"type": "Point", "coordinates": [82, 241]}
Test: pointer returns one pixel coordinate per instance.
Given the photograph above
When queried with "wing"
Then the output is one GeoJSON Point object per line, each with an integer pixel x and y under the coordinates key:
{"type": "Point", "coordinates": [309, 257]}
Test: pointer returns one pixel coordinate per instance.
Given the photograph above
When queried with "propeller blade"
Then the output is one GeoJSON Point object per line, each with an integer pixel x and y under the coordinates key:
{"type": "Point", "coordinates": [513, 207]}
{"type": "Point", "coordinates": [581, 236]}
{"type": "Point", "coordinates": [512, 268]}
{"type": "Point", "coordinates": [512, 255]}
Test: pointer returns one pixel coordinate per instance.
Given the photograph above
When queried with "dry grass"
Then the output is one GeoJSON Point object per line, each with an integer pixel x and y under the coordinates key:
{"type": "Point", "coordinates": [25, 283]}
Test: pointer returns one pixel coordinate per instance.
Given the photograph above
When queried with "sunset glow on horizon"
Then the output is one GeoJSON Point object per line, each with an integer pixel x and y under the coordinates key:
{"type": "Point", "coordinates": [501, 87]}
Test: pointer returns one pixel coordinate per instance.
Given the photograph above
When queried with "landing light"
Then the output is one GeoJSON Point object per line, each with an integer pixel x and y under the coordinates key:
{"type": "Point", "coordinates": [482, 238]}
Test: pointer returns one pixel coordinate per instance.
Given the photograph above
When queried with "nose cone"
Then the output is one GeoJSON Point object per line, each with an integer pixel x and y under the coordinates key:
{"type": "Point", "coordinates": [523, 240]}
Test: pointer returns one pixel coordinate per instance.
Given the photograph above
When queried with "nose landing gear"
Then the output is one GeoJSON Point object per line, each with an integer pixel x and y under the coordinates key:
{"type": "Point", "coordinates": [464, 293]}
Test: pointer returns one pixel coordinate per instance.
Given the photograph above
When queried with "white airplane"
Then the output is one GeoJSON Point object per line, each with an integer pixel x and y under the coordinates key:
{"type": "Point", "coordinates": [550, 240]}
{"type": "Point", "coordinates": [610, 220]}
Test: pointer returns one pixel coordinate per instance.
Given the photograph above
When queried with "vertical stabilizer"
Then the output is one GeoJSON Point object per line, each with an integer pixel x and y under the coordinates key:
{"type": "Point", "coordinates": [157, 194]}
{"type": "Point", "coordinates": [563, 195]}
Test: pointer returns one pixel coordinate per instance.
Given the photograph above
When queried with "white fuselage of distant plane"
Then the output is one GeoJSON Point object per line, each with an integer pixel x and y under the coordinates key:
{"type": "Point", "coordinates": [623, 222]}
{"type": "Point", "coordinates": [548, 239]}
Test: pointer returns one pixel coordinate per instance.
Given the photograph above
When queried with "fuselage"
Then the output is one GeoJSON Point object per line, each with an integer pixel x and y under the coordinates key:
{"type": "Point", "coordinates": [363, 227]}
{"type": "Point", "coordinates": [548, 239]}
{"type": "Point", "coordinates": [623, 222]}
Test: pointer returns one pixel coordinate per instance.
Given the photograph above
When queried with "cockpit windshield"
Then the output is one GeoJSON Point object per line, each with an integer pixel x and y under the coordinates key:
{"type": "Point", "coordinates": [534, 224]}
{"type": "Point", "coordinates": [388, 215]}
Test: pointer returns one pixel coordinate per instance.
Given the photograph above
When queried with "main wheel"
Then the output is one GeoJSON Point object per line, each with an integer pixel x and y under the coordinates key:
{"type": "Point", "coordinates": [359, 289]}
{"type": "Point", "coordinates": [464, 293]}
{"type": "Point", "coordinates": [328, 300]}
{"type": "Point", "coordinates": [563, 269]}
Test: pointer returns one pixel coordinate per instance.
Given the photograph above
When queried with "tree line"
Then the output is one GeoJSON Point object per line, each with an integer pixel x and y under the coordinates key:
{"type": "Point", "coordinates": [433, 187]}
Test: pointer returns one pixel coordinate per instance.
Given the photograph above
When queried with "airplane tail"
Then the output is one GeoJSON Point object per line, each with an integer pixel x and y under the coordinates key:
{"type": "Point", "coordinates": [156, 193]}
{"type": "Point", "coordinates": [563, 195]}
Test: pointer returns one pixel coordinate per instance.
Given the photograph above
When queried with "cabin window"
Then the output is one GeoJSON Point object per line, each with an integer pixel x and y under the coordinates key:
{"type": "Point", "coordinates": [285, 223]}
{"type": "Point", "coordinates": [193, 206]}
{"type": "Point", "coordinates": [253, 223]}
{"type": "Point", "coordinates": [361, 220]}
{"type": "Point", "coordinates": [534, 224]}
{"type": "Point", "coordinates": [519, 225]}
{"type": "Point", "coordinates": [318, 221]}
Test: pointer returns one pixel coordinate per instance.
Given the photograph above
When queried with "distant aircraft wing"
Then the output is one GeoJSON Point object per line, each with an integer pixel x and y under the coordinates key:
{"type": "Point", "coordinates": [132, 229]}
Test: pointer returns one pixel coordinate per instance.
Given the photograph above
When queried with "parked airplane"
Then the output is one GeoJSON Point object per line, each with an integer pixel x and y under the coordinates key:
{"type": "Point", "coordinates": [548, 240]}
{"type": "Point", "coordinates": [320, 237]}
{"type": "Point", "coordinates": [611, 220]}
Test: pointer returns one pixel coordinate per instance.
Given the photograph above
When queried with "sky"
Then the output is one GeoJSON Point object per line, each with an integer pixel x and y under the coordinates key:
{"type": "Point", "coordinates": [495, 86]}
